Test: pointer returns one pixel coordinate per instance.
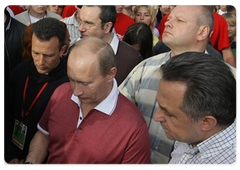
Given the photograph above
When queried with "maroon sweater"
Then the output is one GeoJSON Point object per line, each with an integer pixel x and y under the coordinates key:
{"type": "Point", "coordinates": [120, 138]}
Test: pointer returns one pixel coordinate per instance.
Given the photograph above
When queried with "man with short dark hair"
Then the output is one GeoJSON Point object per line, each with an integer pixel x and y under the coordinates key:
{"type": "Point", "coordinates": [98, 21]}
{"type": "Point", "coordinates": [31, 85]}
{"type": "Point", "coordinates": [197, 108]}
{"type": "Point", "coordinates": [187, 29]}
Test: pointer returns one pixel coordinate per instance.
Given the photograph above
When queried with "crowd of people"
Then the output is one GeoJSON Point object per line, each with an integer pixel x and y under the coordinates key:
{"type": "Point", "coordinates": [131, 84]}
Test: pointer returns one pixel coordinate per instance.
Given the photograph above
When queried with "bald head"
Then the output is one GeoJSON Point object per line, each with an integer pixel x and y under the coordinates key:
{"type": "Point", "coordinates": [92, 50]}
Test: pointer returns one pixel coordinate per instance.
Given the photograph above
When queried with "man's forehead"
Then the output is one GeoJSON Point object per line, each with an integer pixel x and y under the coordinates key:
{"type": "Point", "coordinates": [186, 11]}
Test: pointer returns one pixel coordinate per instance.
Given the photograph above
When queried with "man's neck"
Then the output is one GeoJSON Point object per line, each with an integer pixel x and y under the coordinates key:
{"type": "Point", "coordinates": [108, 38]}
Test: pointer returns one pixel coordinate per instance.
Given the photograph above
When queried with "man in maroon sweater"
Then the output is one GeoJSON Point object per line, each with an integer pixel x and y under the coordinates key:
{"type": "Point", "coordinates": [88, 120]}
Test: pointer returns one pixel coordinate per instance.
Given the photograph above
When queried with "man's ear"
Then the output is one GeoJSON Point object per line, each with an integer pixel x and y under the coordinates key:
{"type": "Point", "coordinates": [203, 32]}
{"type": "Point", "coordinates": [107, 27]}
{"type": "Point", "coordinates": [208, 123]}
{"type": "Point", "coordinates": [112, 73]}
{"type": "Point", "coordinates": [63, 49]}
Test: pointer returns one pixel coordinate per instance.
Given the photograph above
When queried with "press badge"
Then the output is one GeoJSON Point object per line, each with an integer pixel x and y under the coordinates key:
{"type": "Point", "coordinates": [19, 134]}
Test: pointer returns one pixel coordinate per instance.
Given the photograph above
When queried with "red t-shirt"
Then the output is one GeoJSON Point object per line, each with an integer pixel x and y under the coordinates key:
{"type": "Point", "coordinates": [219, 36]}
{"type": "Point", "coordinates": [161, 26]}
{"type": "Point", "coordinates": [119, 138]}
{"type": "Point", "coordinates": [16, 9]}
{"type": "Point", "coordinates": [122, 23]}
{"type": "Point", "coordinates": [68, 11]}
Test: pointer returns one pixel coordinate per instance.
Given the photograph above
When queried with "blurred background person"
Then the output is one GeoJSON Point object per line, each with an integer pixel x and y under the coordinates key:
{"type": "Point", "coordinates": [35, 13]}
{"type": "Point", "coordinates": [222, 10]}
{"type": "Point", "coordinates": [140, 36]}
{"type": "Point", "coordinates": [146, 14]}
{"type": "Point", "coordinates": [122, 22]}
{"type": "Point", "coordinates": [13, 38]}
{"type": "Point", "coordinates": [231, 21]}
{"type": "Point", "coordinates": [57, 9]}
{"type": "Point", "coordinates": [128, 10]}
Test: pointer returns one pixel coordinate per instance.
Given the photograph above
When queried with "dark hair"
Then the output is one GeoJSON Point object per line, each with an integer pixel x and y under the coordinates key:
{"type": "Point", "coordinates": [47, 28]}
{"type": "Point", "coordinates": [211, 86]}
{"type": "Point", "coordinates": [231, 9]}
{"type": "Point", "coordinates": [159, 14]}
{"type": "Point", "coordinates": [108, 13]}
{"type": "Point", "coordinates": [140, 33]}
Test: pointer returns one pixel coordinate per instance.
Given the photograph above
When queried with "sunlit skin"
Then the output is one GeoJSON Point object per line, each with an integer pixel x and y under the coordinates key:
{"type": "Point", "coordinates": [56, 8]}
{"type": "Point", "coordinates": [143, 16]}
{"type": "Point", "coordinates": [46, 54]}
{"type": "Point", "coordinates": [181, 32]}
{"type": "Point", "coordinates": [176, 124]}
{"type": "Point", "coordinates": [38, 11]}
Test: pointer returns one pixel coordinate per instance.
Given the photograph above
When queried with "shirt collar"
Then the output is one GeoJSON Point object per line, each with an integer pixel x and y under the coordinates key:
{"type": "Point", "coordinates": [115, 42]}
{"type": "Point", "coordinates": [224, 138]}
{"type": "Point", "coordinates": [108, 105]}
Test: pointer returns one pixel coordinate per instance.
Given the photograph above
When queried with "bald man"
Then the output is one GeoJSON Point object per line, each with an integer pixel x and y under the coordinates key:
{"type": "Point", "coordinates": [88, 120]}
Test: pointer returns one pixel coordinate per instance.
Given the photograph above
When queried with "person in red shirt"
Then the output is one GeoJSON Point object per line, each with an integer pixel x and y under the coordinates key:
{"type": "Point", "coordinates": [17, 9]}
{"type": "Point", "coordinates": [68, 11]}
{"type": "Point", "coordinates": [87, 120]}
{"type": "Point", "coordinates": [122, 23]}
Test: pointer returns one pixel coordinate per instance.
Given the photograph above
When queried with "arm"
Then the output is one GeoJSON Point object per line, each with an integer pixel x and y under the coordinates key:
{"type": "Point", "coordinates": [138, 149]}
{"type": "Point", "coordinates": [38, 149]}
{"type": "Point", "coordinates": [228, 56]}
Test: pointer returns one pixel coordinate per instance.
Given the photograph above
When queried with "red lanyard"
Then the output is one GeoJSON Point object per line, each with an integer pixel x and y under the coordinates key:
{"type": "Point", "coordinates": [24, 95]}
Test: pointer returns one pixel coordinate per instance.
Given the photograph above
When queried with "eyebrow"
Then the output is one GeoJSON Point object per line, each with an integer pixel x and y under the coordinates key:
{"type": "Point", "coordinates": [43, 54]}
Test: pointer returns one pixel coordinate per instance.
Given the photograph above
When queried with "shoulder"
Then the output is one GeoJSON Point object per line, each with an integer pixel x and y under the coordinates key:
{"type": "Point", "coordinates": [124, 47]}
{"type": "Point", "coordinates": [19, 24]}
{"type": "Point", "coordinates": [53, 15]}
{"type": "Point", "coordinates": [21, 15]}
{"type": "Point", "coordinates": [155, 61]}
{"type": "Point", "coordinates": [129, 110]}
{"type": "Point", "coordinates": [62, 90]}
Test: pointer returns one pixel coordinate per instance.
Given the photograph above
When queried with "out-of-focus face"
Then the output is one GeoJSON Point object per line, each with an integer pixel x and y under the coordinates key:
{"type": "Point", "coordinates": [90, 16]}
{"type": "Point", "coordinates": [181, 28]}
{"type": "Point", "coordinates": [165, 9]}
{"type": "Point", "coordinates": [85, 78]}
{"type": "Point", "coordinates": [223, 7]}
{"type": "Point", "coordinates": [57, 9]}
{"type": "Point", "coordinates": [231, 30]}
{"type": "Point", "coordinates": [176, 124]}
{"type": "Point", "coordinates": [46, 54]}
{"type": "Point", "coordinates": [119, 8]}
{"type": "Point", "coordinates": [39, 9]}
{"type": "Point", "coordinates": [127, 6]}
{"type": "Point", "coordinates": [143, 16]}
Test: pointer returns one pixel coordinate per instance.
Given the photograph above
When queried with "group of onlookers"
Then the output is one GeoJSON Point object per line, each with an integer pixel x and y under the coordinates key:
{"type": "Point", "coordinates": [120, 84]}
